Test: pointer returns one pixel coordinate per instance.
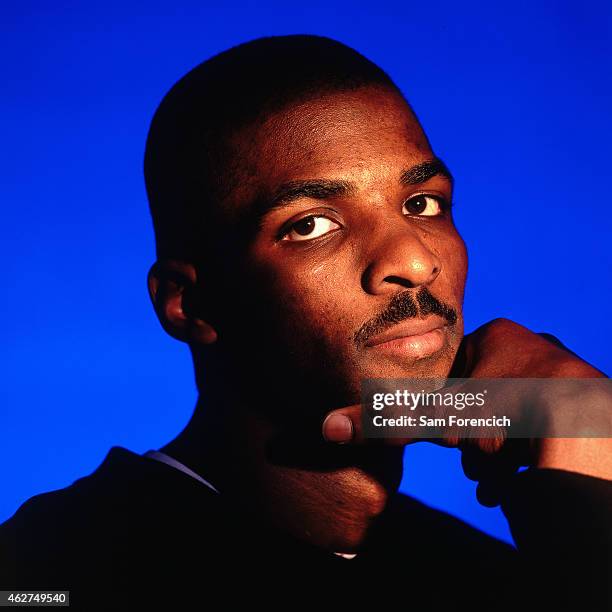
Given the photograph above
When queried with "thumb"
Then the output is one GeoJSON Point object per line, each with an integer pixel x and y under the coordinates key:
{"type": "Point", "coordinates": [345, 426]}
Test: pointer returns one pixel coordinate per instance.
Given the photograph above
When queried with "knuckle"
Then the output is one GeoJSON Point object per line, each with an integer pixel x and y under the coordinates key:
{"type": "Point", "coordinates": [502, 324]}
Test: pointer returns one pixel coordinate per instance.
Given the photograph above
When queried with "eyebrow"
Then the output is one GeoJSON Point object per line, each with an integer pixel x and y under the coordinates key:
{"type": "Point", "coordinates": [424, 171]}
{"type": "Point", "coordinates": [317, 189]}
{"type": "Point", "coordinates": [323, 189]}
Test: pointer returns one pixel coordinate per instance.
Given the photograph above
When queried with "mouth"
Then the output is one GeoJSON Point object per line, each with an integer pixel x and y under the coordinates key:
{"type": "Point", "coordinates": [413, 339]}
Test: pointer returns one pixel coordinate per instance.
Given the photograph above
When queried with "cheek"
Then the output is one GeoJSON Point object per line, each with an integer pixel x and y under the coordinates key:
{"type": "Point", "coordinates": [312, 313]}
{"type": "Point", "coordinates": [312, 300]}
{"type": "Point", "coordinates": [305, 329]}
{"type": "Point", "coordinates": [453, 254]}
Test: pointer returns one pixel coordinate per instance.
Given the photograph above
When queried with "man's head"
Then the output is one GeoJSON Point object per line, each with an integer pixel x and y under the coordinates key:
{"type": "Point", "coordinates": [301, 218]}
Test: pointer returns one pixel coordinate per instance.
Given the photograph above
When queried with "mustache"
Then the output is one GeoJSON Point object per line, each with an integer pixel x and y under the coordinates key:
{"type": "Point", "coordinates": [405, 305]}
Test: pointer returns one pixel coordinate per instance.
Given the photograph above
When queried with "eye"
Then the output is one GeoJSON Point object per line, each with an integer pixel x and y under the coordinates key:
{"type": "Point", "coordinates": [309, 228]}
{"type": "Point", "coordinates": [424, 206]}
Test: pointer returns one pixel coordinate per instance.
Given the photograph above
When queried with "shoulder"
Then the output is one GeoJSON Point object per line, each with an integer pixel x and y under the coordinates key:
{"type": "Point", "coordinates": [438, 534]}
{"type": "Point", "coordinates": [97, 522]}
{"type": "Point", "coordinates": [442, 559]}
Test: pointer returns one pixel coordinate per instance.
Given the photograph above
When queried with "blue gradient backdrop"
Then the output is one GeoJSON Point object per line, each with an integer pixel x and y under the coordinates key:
{"type": "Point", "coordinates": [515, 96]}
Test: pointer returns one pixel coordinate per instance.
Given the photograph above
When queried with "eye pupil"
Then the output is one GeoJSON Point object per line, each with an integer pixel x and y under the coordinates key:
{"type": "Point", "coordinates": [304, 226]}
{"type": "Point", "coordinates": [417, 205]}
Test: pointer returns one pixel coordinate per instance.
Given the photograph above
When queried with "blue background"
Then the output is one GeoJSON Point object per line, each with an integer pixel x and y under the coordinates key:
{"type": "Point", "coordinates": [515, 96]}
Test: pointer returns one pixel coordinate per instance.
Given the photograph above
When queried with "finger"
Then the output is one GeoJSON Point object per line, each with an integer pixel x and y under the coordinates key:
{"type": "Point", "coordinates": [492, 470]}
{"type": "Point", "coordinates": [344, 426]}
{"type": "Point", "coordinates": [480, 465]}
{"type": "Point", "coordinates": [489, 493]}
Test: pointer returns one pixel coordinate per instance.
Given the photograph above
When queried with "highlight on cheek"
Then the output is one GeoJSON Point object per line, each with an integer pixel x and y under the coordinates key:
{"type": "Point", "coordinates": [309, 228]}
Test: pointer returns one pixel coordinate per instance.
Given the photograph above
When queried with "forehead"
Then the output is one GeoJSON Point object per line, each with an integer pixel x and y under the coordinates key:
{"type": "Point", "coordinates": [364, 136]}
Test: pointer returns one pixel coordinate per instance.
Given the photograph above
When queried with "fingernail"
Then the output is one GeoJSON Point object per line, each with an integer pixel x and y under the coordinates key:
{"type": "Point", "coordinates": [338, 428]}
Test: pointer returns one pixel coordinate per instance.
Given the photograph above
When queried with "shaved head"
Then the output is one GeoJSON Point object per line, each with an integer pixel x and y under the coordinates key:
{"type": "Point", "coordinates": [188, 166]}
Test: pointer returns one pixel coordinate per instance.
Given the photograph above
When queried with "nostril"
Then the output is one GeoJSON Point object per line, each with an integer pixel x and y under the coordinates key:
{"type": "Point", "coordinates": [399, 280]}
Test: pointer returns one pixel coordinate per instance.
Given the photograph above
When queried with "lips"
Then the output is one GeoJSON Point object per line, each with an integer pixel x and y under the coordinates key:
{"type": "Point", "coordinates": [415, 338]}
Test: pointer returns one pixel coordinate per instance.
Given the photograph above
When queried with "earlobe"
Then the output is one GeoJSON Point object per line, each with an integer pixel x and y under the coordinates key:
{"type": "Point", "coordinates": [172, 287]}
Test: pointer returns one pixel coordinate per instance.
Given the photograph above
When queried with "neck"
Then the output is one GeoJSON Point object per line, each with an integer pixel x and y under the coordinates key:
{"type": "Point", "coordinates": [327, 496]}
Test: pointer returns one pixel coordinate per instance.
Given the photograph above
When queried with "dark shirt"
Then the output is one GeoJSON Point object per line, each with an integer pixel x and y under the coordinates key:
{"type": "Point", "coordinates": [138, 533]}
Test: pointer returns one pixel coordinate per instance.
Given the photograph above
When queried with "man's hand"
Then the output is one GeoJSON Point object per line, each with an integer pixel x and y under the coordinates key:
{"type": "Point", "coordinates": [504, 349]}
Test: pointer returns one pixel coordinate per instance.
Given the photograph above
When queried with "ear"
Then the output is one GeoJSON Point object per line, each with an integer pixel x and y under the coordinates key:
{"type": "Point", "coordinates": [175, 294]}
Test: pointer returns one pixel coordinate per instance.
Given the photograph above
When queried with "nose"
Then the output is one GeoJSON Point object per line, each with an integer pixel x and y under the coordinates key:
{"type": "Point", "coordinates": [400, 259]}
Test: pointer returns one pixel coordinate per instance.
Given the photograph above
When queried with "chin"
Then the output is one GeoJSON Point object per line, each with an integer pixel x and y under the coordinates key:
{"type": "Point", "coordinates": [435, 366]}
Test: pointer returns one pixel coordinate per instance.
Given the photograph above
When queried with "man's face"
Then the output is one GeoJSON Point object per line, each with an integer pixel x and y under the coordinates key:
{"type": "Point", "coordinates": [336, 235]}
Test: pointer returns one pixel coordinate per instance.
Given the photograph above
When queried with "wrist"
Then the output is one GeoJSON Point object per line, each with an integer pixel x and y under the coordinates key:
{"type": "Point", "coordinates": [587, 456]}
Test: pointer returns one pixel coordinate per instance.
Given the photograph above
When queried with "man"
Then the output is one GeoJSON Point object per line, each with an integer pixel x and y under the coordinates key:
{"type": "Point", "coordinates": [305, 242]}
